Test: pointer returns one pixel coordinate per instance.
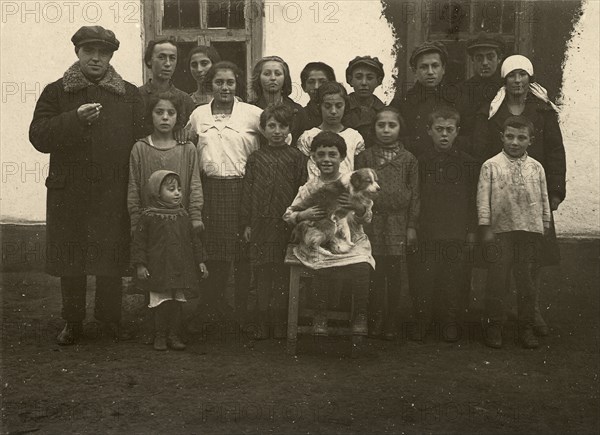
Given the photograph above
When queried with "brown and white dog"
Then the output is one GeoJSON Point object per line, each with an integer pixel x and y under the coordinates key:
{"type": "Point", "coordinates": [333, 231]}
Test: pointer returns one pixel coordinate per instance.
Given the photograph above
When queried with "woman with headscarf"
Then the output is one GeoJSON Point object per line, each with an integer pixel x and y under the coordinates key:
{"type": "Point", "coordinates": [522, 95]}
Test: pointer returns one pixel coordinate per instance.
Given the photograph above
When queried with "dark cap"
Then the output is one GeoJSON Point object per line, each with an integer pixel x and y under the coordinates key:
{"type": "Point", "coordinates": [371, 62]}
{"type": "Point", "coordinates": [486, 40]}
{"type": "Point", "coordinates": [98, 34]}
{"type": "Point", "coordinates": [429, 47]}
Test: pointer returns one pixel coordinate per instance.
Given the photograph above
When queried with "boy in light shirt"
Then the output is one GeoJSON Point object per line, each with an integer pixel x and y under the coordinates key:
{"type": "Point", "coordinates": [514, 213]}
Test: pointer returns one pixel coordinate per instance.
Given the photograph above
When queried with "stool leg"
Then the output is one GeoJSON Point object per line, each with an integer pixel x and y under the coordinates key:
{"type": "Point", "coordinates": [292, 328]}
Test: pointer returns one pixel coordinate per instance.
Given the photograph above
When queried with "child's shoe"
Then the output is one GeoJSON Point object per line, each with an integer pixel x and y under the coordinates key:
{"type": "Point", "coordinates": [320, 325]}
{"type": "Point", "coordinates": [174, 342]}
{"type": "Point", "coordinates": [390, 332]}
{"type": "Point", "coordinates": [70, 334]}
{"type": "Point", "coordinates": [359, 324]}
{"type": "Point", "coordinates": [493, 336]}
{"type": "Point", "coordinates": [262, 332]}
{"type": "Point", "coordinates": [377, 326]}
{"type": "Point", "coordinates": [529, 340]}
{"type": "Point", "coordinates": [540, 328]}
{"type": "Point", "coordinates": [160, 341]}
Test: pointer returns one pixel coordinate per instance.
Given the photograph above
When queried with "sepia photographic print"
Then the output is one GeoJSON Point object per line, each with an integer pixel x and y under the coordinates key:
{"type": "Point", "coordinates": [311, 216]}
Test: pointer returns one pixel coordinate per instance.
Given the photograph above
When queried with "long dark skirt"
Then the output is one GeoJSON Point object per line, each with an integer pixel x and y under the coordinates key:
{"type": "Point", "coordinates": [222, 200]}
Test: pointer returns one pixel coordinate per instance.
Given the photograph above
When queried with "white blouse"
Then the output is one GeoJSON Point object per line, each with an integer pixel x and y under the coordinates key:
{"type": "Point", "coordinates": [224, 143]}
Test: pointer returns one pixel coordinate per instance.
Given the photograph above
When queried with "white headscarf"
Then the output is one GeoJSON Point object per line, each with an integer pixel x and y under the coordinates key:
{"type": "Point", "coordinates": [509, 65]}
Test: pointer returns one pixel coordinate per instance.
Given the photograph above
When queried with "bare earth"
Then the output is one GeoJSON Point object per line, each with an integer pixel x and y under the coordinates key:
{"type": "Point", "coordinates": [226, 383]}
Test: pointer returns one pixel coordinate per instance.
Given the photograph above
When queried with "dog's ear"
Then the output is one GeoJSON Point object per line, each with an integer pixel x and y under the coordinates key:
{"type": "Point", "coordinates": [356, 180]}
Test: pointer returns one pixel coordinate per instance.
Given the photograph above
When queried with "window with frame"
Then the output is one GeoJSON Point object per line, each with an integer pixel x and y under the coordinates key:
{"type": "Point", "coordinates": [454, 22]}
{"type": "Point", "coordinates": [232, 27]}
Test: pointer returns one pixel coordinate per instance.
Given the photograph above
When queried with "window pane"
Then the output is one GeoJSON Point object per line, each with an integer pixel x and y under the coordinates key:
{"type": "Point", "coordinates": [218, 11]}
{"type": "Point", "coordinates": [449, 17]}
{"type": "Point", "coordinates": [189, 13]}
{"type": "Point", "coordinates": [171, 17]}
{"type": "Point", "coordinates": [181, 14]}
{"type": "Point", "coordinates": [236, 15]}
{"type": "Point", "coordinates": [509, 16]}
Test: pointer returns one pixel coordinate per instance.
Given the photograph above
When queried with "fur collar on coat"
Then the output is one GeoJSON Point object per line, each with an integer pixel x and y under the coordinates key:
{"type": "Point", "coordinates": [75, 81]}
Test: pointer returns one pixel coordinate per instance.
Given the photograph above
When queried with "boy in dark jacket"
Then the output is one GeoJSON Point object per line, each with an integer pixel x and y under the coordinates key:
{"type": "Point", "coordinates": [447, 224]}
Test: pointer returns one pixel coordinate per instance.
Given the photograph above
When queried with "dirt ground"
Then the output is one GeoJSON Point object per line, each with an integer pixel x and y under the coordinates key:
{"type": "Point", "coordinates": [226, 383]}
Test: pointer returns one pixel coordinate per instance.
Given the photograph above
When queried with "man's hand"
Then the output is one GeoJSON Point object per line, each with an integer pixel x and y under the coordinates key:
{"type": "Point", "coordinates": [89, 112]}
{"type": "Point", "coordinates": [346, 201]}
{"type": "Point", "coordinates": [487, 236]}
{"type": "Point", "coordinates": [203, 270]}
{"type": "Point", "coordinates": [311, 214]}
{"type": "Point", "coordinates": [554, 202]}
{"type": "Point", "coordinates": [142, 272]}
{"type": "Point", "coordinates": [247, 234]}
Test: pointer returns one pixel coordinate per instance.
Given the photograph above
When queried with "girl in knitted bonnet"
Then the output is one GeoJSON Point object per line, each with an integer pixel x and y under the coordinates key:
{"type": "Point", "coordinates": [167, 254]}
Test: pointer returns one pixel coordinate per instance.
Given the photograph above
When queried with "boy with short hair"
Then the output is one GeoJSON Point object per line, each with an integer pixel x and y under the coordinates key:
{"type": "Point", "coordinates": [447, 224]}
{"type": "Point", "coordinates": [514, 213]}
{"type": "Point", "coordinates": [364, 74]}
{"type": "Point", "coordinates": [312, 77]}
{"type": "Point", "coordinates": [329, 150]}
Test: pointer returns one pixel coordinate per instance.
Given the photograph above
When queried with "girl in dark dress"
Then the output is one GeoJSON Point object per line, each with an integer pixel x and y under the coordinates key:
{"type": "Point", "coordinates": [165, 253]}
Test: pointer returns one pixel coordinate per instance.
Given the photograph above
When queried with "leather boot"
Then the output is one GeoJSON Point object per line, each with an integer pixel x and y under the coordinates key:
{"type": "Point", "coordinates": [173, 339]}
{"type": "Point", "coordinates": [160, 327]}
{"type": "Point", "coordinates": [377, 325]}
{"type": "Point", "coordinates": [70, 334]}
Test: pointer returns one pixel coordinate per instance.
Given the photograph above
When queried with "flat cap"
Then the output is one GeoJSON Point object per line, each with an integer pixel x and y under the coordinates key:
{"type": "Point", "coordinates": [429, 47]}
{"type": "Point", "coordinates": [371, 62]}
{"type": "Point", "coordinates": [486, 40]}
{"type": "Point", "coordinates": [98, 34]}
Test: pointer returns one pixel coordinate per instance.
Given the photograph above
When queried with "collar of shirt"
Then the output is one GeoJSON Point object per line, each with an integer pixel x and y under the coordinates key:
{"type": "Point", "coordinates": [353, 103]}
{"type": "Point", "coordinates": [515, 159]}
{"type": "Point", "coordinates": [150, 88]}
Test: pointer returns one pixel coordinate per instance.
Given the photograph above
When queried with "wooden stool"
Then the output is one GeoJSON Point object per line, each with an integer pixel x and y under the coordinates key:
{"type": "Point", "coordinates": [297, 271]}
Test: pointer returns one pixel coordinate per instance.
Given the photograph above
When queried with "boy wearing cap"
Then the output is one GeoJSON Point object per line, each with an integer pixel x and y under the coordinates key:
{"type": "Point", "coordinates": [161, 59]}
{"type": "Point", "coordinates": [364, 74]}
{"type": "Point", "coordinates": [486, 51]}
{"type": "Point", "coordinates": [312, 77]}
{"type": "Point", "coordinates": [428, 62]}
{"type": "Point", "coordinates": [88, 121]}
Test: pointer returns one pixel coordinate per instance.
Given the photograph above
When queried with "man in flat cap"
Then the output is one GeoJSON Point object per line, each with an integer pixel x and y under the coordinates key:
{"type": "Point", "coordinates": [486, 51]}
{"type": "Point", "coordinates": [88, 121]}
{"type": "Point", "coordinates": [428, 62]}
{"type": "Point", "coordinates": [364, 74]}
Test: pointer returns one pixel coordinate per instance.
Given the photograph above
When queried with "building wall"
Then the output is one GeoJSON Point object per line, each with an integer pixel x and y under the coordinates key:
{"type": "Point", "coordinates": [36, 50]}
